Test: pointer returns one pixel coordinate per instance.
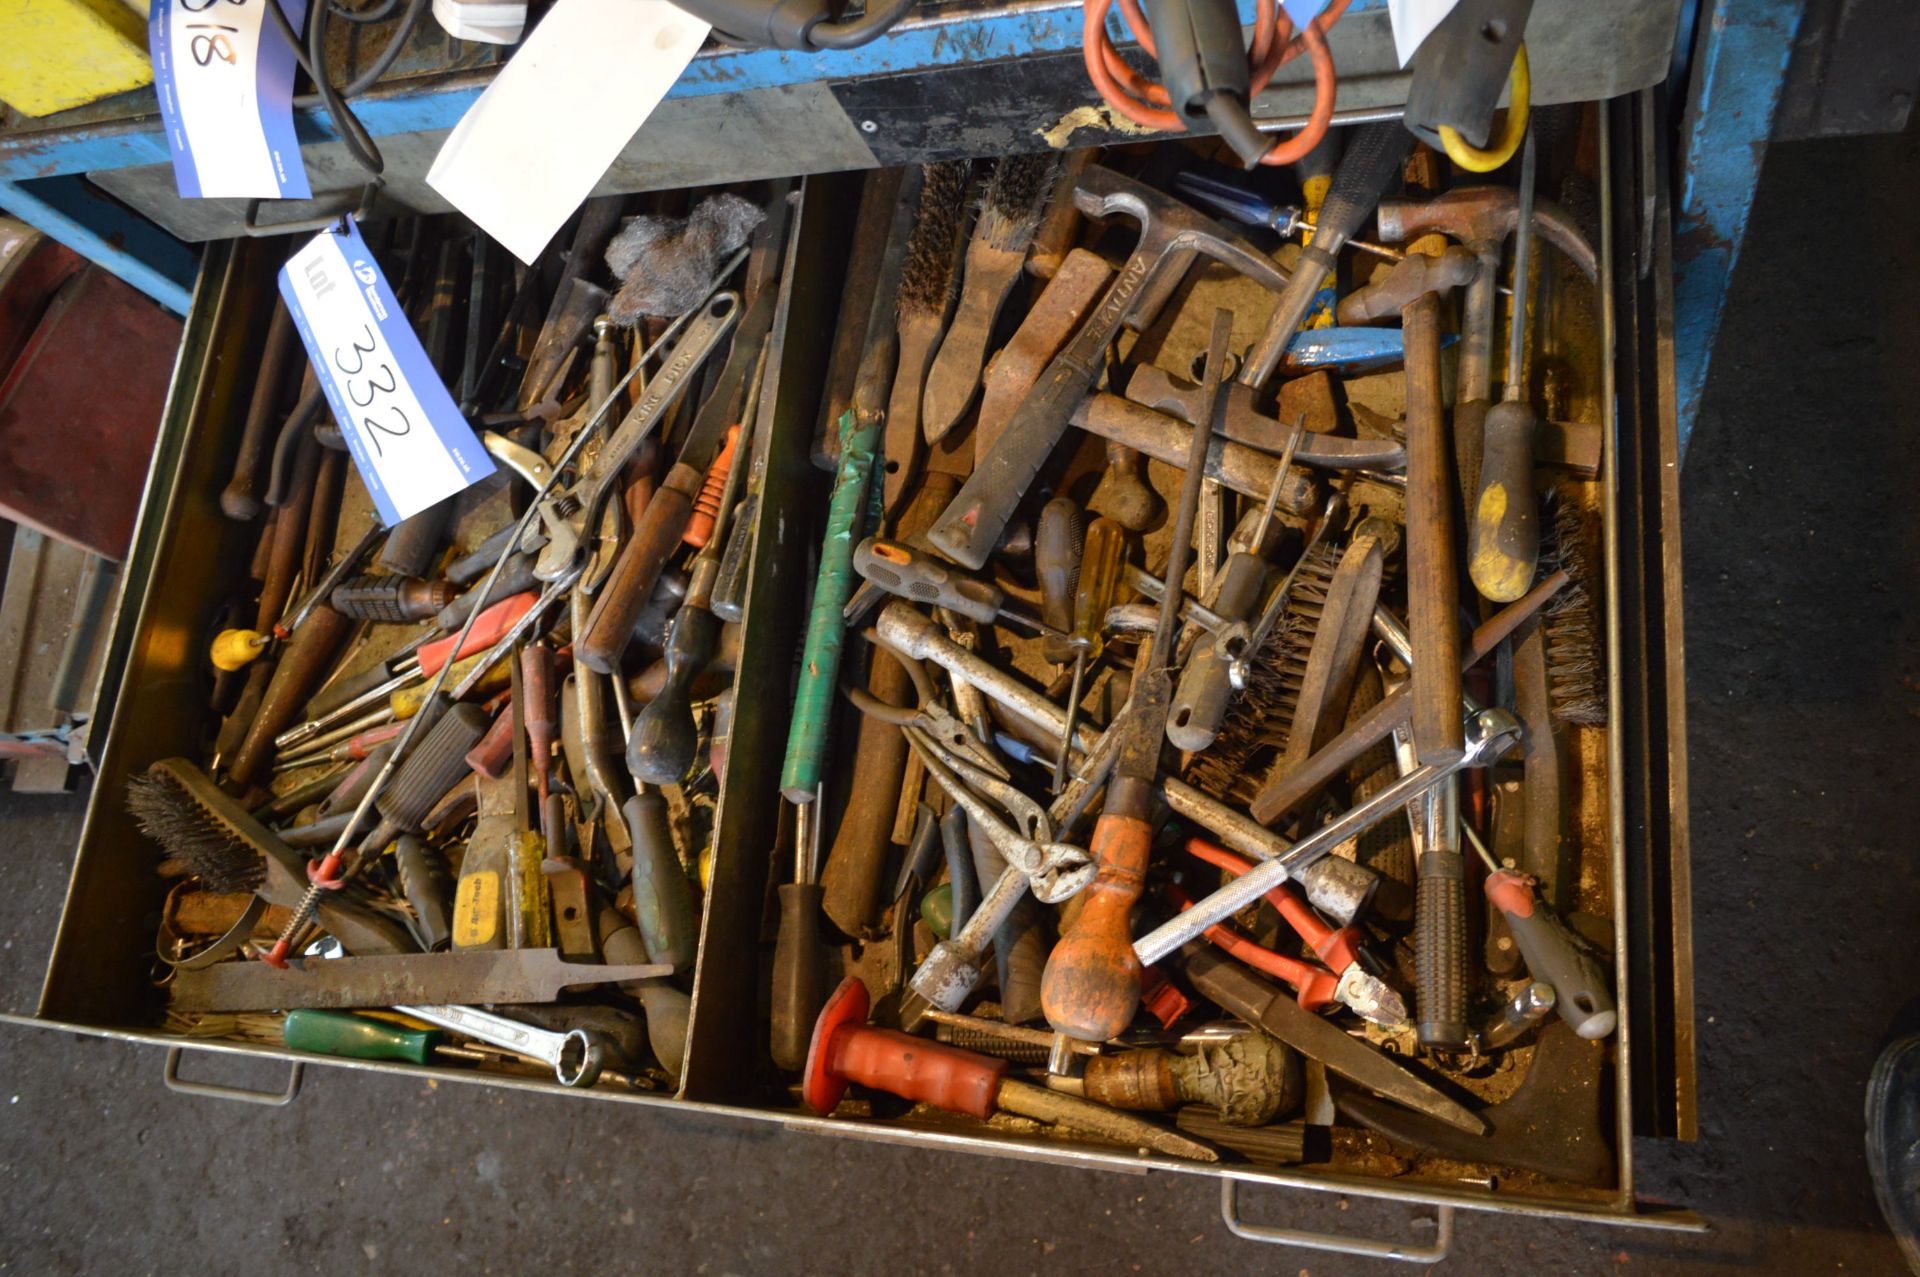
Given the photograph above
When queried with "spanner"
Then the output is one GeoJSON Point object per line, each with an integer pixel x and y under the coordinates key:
{"type": "Point", "coordinates": [568, 516]}
{"type": "Point", "coordinates": [1489, 734]}
{"type": "Point", "coordinates": [577, 1056]}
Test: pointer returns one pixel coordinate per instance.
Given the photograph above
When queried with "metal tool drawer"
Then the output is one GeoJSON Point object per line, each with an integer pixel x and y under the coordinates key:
{"type": "Point", "coordinates": [98, 981]}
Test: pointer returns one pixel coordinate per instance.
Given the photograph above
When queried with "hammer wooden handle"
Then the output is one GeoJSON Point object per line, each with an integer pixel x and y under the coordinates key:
{"type": "Point", "coordinates": [1433, 569]}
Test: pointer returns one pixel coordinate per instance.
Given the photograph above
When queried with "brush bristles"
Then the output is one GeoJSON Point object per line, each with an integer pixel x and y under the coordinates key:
{"type": "Point", "coordinates": [1260, 719]}
{"type": "Point", "coordinates": [1576, 674]}
{"type": "Point", "coordinates": [1016, 197]}
{"type": "Point", "coordinates": [167, 814]}
{"type": "Point", "coordinates": [927, 276]}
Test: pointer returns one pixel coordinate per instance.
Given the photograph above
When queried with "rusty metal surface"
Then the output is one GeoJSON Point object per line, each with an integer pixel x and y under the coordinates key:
{"type": "Point", "coordinates": [476, 976]}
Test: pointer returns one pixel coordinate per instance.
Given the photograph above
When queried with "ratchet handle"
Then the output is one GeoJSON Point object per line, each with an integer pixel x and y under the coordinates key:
{"type": "Point", "coordinates": [1440, 951]}
{"type": "Point", "coordinates": [1504, 544]}
{"type": "Point", "coordinates": [1579, 987]}
{"type": "Point", "coordinates": [1091, 989]}
{"type": "Point", "coordinates": [641, 560]}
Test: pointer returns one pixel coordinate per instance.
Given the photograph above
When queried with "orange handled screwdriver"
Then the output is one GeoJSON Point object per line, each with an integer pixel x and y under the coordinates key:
{"type": "Point", "coordinates": [1091, 989]}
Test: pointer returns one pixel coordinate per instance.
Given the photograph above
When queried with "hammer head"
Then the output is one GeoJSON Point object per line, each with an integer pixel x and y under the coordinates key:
{"type": "Point", "coordinates": [1168, 226]}
{"type": "Point", "coordinates": [1481, 217]}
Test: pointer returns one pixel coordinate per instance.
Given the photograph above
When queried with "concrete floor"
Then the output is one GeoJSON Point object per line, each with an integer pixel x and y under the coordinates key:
{"type": "Point", "coordinates": [1800, 544]}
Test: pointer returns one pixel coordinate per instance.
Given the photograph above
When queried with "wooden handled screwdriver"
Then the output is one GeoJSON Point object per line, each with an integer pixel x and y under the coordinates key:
{"type": "Point", "coordinates": [1092, 984]}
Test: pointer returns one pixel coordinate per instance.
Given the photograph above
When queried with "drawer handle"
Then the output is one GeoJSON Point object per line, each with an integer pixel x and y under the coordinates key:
{"type": "Point", "coordinates": [1430, 1254]}
{"type": "Point", "coordinates": [216, 1091]}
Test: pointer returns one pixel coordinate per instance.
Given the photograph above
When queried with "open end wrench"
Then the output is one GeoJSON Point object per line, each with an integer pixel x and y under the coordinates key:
{"type": "Point", "coordinates": [576, 1056]}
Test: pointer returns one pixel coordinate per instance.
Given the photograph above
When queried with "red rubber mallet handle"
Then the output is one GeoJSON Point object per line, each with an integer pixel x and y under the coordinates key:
{"type": "Point", "coordinates": [846, 1050]}
{"type": "Point", "coordinates": [1314, 987]}
{"type": "Point", "coordinates": [487, 630]}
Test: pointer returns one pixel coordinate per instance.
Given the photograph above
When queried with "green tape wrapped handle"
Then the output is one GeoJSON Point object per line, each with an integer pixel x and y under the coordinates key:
{"type": "Point", "coordinates": [826, 631]}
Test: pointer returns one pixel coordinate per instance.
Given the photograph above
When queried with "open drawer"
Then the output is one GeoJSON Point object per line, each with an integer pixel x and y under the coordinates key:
{"type": "Point", "coordinates": [1633, 799]}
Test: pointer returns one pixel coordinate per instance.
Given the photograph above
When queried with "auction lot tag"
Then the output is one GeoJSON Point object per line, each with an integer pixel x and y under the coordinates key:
{"type": "Point", "coordinates": [225, 83]}
{"type": "Point", "coordinates": [410, 442]}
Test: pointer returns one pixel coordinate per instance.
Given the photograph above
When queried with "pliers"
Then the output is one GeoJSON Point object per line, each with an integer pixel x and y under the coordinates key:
{"type": "Point", "coordinates": [1056, 871]}
{"type": "Point", "coordinates": [927, 715]}
{"type": "Point", "coordinates": [1341, 980]}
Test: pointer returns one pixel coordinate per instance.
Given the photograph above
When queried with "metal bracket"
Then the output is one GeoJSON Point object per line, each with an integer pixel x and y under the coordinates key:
{"type": "Point", "coordinates": [334, 205]}
{"type": "Point", "coordinates": [1429, 1254]}
{"type": "Point", "coordinates": [217, 1091]}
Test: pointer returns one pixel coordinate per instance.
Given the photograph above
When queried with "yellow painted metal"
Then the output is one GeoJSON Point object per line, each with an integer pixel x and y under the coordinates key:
{"type": "Point", "coordinates": [56, 54]}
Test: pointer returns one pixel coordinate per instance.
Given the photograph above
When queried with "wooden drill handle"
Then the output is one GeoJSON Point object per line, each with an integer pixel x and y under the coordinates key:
{"type": "Point", "coordinates": [302, 665]}
{"type": "Point", "coordinates": [289, 536]}
{"type": "Point", "coordinates": [1504, 545]}
{"type": "Point", "coordinates": [625, 594]}
{"type": "Point", "coordinates": [1092, 986]}
{"type": "Point", "coordinates": [241, 499]}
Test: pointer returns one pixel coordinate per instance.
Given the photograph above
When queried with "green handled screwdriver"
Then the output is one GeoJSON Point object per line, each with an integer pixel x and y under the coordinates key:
{"type": "Point", "coordinates": [358, 1037]}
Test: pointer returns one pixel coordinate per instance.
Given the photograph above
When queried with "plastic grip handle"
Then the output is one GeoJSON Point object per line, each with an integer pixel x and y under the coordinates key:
{"type": "Point", "coordinates": [903, 571]}
{"type": "Point", "coordinates": [662, 897]}
{"type": "Point", "coordinates": [516, 577]}
{"type": "Point", "coordinates": [1440, 951]}
{"type": "Point", "coordinates": [1505, 532]}
{"type": "Point", "coordinates": [1092, 986]}
{"type": "Point", "coordinates": [434, 766]}
{"type": "Point", "coordinates": [916, 1069]}
{"type": "Point", "coordinates": [486, 631]}
{"type": "Point", "coordinates": [664, 740]}
{"type": "Point", "coordinates": [494, 754]}
{"type": "Point", "coordinates": [706, 506]}
{"type": "Point", "coordinates": [357, 1037]}
{"type": "Point", "coordinates": [1579, 986]}
{"type": "Point", "coordinates": [642, 559]}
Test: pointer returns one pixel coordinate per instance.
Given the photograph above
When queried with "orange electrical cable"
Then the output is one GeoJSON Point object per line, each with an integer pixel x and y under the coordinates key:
{"type": "Point", "coordinates": [1274, 44]}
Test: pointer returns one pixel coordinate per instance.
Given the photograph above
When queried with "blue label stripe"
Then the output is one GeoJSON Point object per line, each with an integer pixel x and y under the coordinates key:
{"type": "Point", "coordinates": [273, 86]}
{"type": "Point", "coordinates": [186, 177]}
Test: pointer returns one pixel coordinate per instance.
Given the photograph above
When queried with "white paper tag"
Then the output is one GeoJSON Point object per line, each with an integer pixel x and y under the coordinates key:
{"type": "Point", "coordinates": [408, 439]}
{"type": "Point", "coordinates": [1413, 21]}
{"type": "Point", "coordinates": [531, 149]}
{"type": "Point", "coordinates": [225, 83]}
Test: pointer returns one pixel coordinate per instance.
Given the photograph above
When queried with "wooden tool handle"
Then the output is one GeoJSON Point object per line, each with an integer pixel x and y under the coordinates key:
{"type": "Point", "coordinates": [642, 558]}
{"type": "Point", "coordinates": [1092, 986]}
{"type": "Point", "coordinates": [1433, 608]}
{"type": "Point", "coordinates": [241, 499]}
{"type": "Point", "coordinates": [300, 670]}
{"type": "Point", "coordinates": [1504, 544]}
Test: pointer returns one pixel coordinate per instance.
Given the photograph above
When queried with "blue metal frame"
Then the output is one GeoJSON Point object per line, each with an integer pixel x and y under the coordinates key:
{"type": "Point", "coordinates": [436, 103]}
{"type": "Point", "coordinates": [101, 230]}
{"type": "Point", "coordinates": [1739, 65]}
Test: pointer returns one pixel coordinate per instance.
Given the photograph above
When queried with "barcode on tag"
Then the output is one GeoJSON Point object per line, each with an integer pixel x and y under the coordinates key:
{"type": "Point", "coordinates": [224, 75]}
{"type": "Point", "coordinates": [410, 442]}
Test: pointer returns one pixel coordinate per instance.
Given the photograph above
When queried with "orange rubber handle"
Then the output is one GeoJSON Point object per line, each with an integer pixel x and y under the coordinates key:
{"type": "Point", "coordinates": [494, 754]}
{"type": "Point", "coordinates": [1091, 988]}
{"type": "Point", "coordinates": [1337, 947]}
{"type": "Point", "coordinates": [706, 506]}
{"type": "Point", "coordinates": [486, 631]}
{"type": "Point", "coordinates": [1313, 986]}
{"type": "Point", "coordinates": [916, 1069]}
